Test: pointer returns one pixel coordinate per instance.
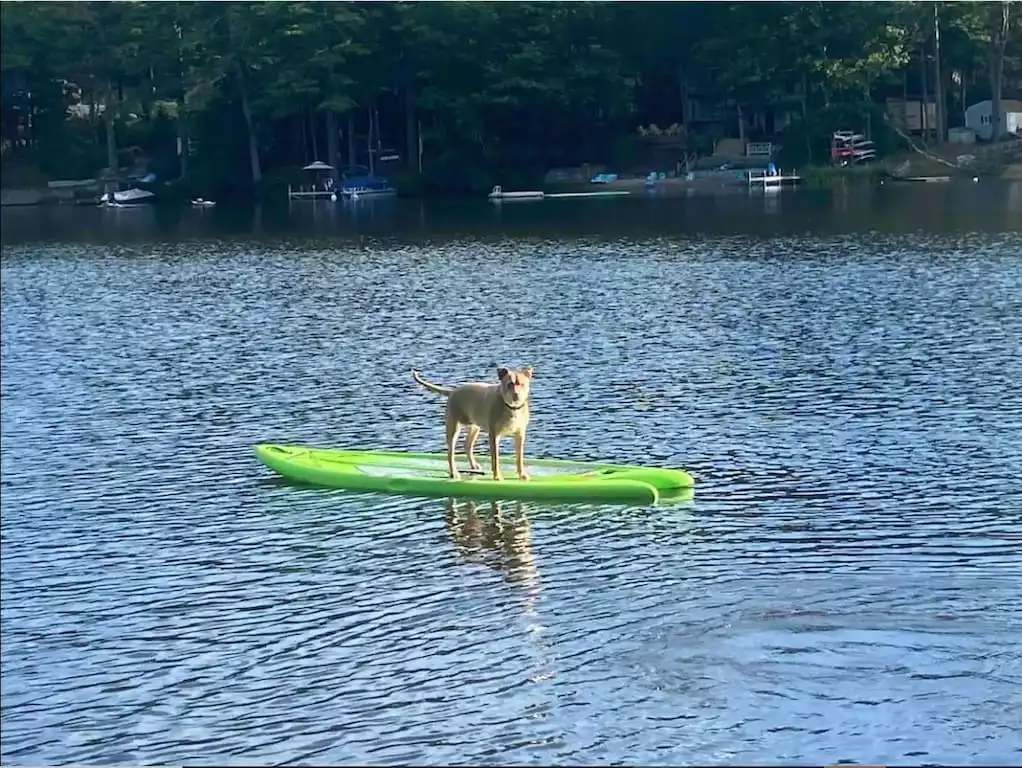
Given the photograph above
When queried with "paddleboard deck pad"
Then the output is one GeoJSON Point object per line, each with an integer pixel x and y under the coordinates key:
{"type": "Point", "coordinates": [425, 474]}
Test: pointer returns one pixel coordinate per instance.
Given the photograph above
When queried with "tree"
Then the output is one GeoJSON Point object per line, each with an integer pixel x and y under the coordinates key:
{"type": "Point", "coordinates": [999, 19]}
{"type": "Point", "coordinates": [480, 91]}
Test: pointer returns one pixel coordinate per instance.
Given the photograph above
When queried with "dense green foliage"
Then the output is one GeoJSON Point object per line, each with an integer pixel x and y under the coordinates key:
{"type": "Point", "coordinates": [488, 91]}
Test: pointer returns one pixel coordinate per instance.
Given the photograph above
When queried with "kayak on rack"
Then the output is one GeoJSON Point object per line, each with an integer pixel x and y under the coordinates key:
{"type": "Point", "coordinates": [425, 474]}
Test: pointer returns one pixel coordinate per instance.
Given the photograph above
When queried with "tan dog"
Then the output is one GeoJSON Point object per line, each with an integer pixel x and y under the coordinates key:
{"type": "Point", "coordinates": [500, 409]}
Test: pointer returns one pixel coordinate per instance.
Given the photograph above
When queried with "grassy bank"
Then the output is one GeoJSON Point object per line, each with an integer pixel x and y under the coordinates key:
{"type": "Point", "coordinates": [907, 164]}
{"type": "Point", "coordinates": [827, 176]}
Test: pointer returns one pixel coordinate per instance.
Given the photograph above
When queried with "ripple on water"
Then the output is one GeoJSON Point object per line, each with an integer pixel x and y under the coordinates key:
{"type": "Point", "coordinates": [845, 584]}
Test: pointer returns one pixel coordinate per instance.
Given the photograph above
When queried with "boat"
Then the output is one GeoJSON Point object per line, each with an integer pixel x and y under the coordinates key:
{"type": "Point", "coordinates": [200, 203]}
{"type": "Point", "coordinates": [851, 148]}
{"type": "Point", "coordinates": [355, 192]}
{"type": "Point", "coordinates": [425, 474]}
{"type": "Point", "coordinates": [133, 195]}
{"type": "Point", "coordinates": [359, 181]}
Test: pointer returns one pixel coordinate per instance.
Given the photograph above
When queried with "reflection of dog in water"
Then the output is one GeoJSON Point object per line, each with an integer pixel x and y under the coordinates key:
{"type": "Point", "coordinates": [503, 542]}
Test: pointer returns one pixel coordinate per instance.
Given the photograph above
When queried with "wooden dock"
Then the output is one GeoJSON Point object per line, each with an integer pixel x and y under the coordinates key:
{"type": "Point", "coordinates": [760, 178]}
{"type": "Point", "coordinates": [310, 193]}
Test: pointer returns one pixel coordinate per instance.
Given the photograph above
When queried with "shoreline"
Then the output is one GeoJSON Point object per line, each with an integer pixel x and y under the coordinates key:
{"type": "Point", "coordinates": [704, 182]}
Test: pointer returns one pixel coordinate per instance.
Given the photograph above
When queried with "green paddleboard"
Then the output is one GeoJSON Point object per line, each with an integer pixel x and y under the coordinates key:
{"type": "Point", "coordinates": [425, 474]}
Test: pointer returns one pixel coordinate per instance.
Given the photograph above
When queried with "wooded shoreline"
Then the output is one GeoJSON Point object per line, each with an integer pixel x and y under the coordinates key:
{"type": "Point", "coordinates": [232, 99]}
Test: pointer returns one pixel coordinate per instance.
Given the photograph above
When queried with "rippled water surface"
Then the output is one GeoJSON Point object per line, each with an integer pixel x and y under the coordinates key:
{"type": "Point", "coordinates": [845, 584]}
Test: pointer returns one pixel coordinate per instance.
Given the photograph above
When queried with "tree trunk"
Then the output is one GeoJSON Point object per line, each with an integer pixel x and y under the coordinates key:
{"type": "Point", "coordinates": [418, 147]}
{"type": "Point", "coordinates": [369, 137]}
{"type": "Point", "coordinates": [111, 136]}
{"type": "Point", "coordinates": [149, 99]}
{"type": "Point", "coordinates": [998, 40]}
{"type": "Point", "coordinates": [741, 121]}
{"type": "Point", "coordinates": [804, 100]}
{"type": "Point", "coordinates": [312, 127]}
{"type": "Point", "coordinates": [351, 138]}
{"type": "Point", "coordinates": [683, 94]}
{"type": "Point", "coordinates": [183, 134]}
{"type": "Point", "coordinates": [331, 144]}
{"type": "Point", "coordinates": [411, 137]}
{"type": "Point", "coordinates": [246, 110]}
{"type": "Point", "coordinates": [904, 101]}
{"type": "Point", "coordinates": [924, 123]}
{"type": "Point", "coordinates": [867, 101]}
{"type": "Point", "coordinates": [30, 122]}
{"type": "Point", "coordinates": [183, 138]}
{"type": "Point", "coordinates": [940, 97]}
{"type": "Point", "coordinates": [94, 114]}
{"type": "Point", "coordinates": [965, 103]}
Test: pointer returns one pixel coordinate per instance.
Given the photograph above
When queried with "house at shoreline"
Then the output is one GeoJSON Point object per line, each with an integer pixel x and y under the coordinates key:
{"type": "Point", "coordinates": [979, 117]}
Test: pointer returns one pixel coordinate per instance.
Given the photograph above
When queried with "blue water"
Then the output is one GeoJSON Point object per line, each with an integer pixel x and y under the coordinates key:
{"type": "Point", "coordinates": [846, 583]}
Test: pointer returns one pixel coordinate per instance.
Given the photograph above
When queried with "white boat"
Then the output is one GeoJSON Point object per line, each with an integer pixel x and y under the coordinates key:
{"type": "Point", "coordinates": [849, 148]}
{"type": "Point", "coordinates": [133, 195]}
{"type": "Point", "coordinates": [354, 193]}
{"type": "Point", "coordinates": [200, 203]}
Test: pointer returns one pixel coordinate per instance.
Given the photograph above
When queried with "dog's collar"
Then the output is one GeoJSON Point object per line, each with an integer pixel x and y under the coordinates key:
{"type": "Point", "coordinates": [513, 407]}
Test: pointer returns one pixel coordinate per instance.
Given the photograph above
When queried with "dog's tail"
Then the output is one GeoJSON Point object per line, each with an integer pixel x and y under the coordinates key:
{"type": "Point", "coordinates": [445, 391]}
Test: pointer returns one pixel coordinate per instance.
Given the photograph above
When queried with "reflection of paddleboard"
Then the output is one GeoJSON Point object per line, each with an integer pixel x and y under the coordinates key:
{"type": "Point", "coordinates": [425, 474]}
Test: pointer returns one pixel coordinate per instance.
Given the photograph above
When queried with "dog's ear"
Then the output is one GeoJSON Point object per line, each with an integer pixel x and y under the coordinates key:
{"type": "Point", "coordinates": [501, 372]}
{"type": "Point", "coordinates": [527, 370]}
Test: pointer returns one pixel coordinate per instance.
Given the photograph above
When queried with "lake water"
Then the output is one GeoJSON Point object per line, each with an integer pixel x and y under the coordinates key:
{"type": "Point", "coordinates": [839, 371]}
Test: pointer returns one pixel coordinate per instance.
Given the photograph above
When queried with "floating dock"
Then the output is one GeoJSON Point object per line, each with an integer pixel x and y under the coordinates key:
{"type": "Point", "coordinates": [923, 179]}
{"type": "Point", "coordinates": [497, 194]}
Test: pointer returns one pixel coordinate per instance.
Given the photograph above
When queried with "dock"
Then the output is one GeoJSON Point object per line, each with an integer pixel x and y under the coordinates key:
{"type": "Point", "coordinates": [497, 194]}
{"type": "Point", "coordinates": [607, 193]}
{"type": "Point", "coordinates": [311, 193]}
{"type": "Point", "coordinates": [760, 178]}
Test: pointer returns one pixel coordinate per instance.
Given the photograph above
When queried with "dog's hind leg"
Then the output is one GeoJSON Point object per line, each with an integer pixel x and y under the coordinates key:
{"type": "Point", "coordinates": [470, 444]}
{"type": "Point", "coordinates": [452, 428]}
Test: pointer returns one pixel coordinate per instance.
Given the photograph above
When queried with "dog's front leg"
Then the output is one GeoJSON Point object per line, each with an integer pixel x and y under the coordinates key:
{"type": "Point", "coordinates": [520, 455]}
{"type": "Point", "coordinates": [495, 454]}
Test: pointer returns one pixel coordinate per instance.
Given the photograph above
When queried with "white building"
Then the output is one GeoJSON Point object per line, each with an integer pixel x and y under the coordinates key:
{"type": "Point", "coordinates": [979, 117]}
